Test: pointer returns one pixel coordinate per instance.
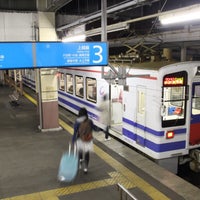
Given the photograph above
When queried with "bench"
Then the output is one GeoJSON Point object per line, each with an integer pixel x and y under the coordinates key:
{"type": "Point", "coordinates": [14, 98]}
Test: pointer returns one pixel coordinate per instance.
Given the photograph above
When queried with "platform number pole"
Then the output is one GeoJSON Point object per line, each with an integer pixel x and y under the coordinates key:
{"type": "Point", "coordinates": [104, 39]}
{"type": "Point", "coordinates": [103, 20]}
{"type": "Point", "coordinates": [40, 98]}
{"type": "Point", "coordinates": [38, 86]}
{"type": "Point", "coordinates": [103, 26]}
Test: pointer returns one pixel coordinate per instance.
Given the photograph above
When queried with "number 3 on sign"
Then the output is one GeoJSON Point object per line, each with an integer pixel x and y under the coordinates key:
{"type": "Point", "coordinates": [98, 54]}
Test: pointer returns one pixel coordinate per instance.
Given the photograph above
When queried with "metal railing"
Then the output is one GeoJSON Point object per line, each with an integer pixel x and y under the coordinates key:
{"type": "Point", "coordinates": [126, 193]}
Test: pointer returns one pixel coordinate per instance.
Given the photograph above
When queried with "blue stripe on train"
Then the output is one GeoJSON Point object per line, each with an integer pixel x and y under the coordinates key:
{"type": "Point", "coordinates": [153, 146]}
{"type": "Point", "coordinates": [149, 130]}
{"type": "Point", "coordinates": [77, 100]}
{"type": "Point", "coordinates": [77, 108]}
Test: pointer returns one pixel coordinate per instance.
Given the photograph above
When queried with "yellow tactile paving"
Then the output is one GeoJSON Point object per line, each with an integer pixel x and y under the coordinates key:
{"type": "Point", "coordinates": [68, 190]}
{"type": "Point", "coordinates": [119, 178]}
{"type": "Point", "coordinates": [65, 126]}
{"type": "Point", "coordinates": [30, 98]}
{"type": "Point", "coordinates": [18, 198]}
{"type": "Point", "coordinates": [122, 175]}
{"type": "Point", "coordinates": [48, 194]}
{"type": "Point", "coordinates": [132, 177]}
{"type": "Point", "coordinates": [34, 196]}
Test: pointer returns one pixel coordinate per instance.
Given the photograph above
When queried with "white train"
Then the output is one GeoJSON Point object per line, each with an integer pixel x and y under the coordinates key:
{"type": "Point", "coordinates": [154, 109]}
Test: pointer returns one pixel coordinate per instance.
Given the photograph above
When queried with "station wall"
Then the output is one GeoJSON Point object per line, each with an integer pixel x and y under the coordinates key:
{"type": "Point", "coordinates": [27, 26]}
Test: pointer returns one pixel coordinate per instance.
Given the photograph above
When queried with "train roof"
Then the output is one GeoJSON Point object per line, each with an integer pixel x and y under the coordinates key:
{"type": "Point", "coordinates": [144, 65]}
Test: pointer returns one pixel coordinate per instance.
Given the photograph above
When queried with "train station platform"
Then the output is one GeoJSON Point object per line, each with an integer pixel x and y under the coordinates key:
{"type": "Point", "coordinates": [29, 161]}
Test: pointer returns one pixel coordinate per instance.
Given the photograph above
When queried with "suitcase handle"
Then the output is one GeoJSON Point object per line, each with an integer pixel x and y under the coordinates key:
{"type": "Point", "coordinates": [70, 148]}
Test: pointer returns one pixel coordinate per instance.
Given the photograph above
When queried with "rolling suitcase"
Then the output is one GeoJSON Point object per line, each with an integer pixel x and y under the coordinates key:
{"type": "Point", "coordinates": [68, 165]}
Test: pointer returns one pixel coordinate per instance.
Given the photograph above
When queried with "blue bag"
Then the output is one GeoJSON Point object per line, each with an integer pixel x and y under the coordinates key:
{"type": "Point", "coordinates": [68, 166]}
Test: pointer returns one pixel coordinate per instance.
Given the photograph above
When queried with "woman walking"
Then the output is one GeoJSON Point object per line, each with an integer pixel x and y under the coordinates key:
{"type": "Point", "coordinates": [83, 138]}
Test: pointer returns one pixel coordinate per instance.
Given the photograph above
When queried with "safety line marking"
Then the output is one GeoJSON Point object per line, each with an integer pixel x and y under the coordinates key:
{"type": "Point", "coordinates": [122, 175]}
{"type": "Point", "coordinates": [30, 98]}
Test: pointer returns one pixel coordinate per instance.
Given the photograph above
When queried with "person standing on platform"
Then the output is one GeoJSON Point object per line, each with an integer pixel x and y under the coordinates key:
{"type": "Point", "coordinates": [83, 138]}
{"type": "Point", "coordinates": [104, 118]}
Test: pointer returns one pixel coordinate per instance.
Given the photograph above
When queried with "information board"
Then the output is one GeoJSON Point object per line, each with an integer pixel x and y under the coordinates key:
{"type": "Point", "coordinates": [71, 54]}
{"type": "Point", "coordinates": [52, 54]}
{"type": "Point", "coordinates": [16, 55]}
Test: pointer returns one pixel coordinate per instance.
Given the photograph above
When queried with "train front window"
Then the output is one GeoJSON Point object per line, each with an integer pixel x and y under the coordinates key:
{"type": "Point", "coordinates": [91, 89]}
{"type": "Point", "coordinates": [79, 85]}
{"type": "Point", "coordinates": [61, 81]}
{"type": "Point", "coordinates": [196, 100]}
{"type": "Point", "coordinates": [69, 85]}
{"type": "Point", "coordinates": [174, 99]}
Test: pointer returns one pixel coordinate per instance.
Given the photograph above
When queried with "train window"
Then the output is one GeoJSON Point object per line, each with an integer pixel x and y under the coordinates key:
{"type": "Point", "coordinates": [91, 85]}
{"type": "Point", "coordinates": [174, 99]}
{"type": "Point", "coordinates": [177, 93]}
{"type": "Point", "coordinates": [79, 86]}
{"type": "Point", "coordinates": [61, 81]}
{"type": "Point", "coordinates": [69, 83]}
{"type": "Point", "coordinates": [196, 100]}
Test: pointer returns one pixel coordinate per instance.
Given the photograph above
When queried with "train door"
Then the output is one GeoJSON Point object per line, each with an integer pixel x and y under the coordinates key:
{"type": "Point", "coordinates": [141, 115]}
{"type": "Point", "coordinates": [116, 107]}
{"type": "Point", "coordinates": [195, 115]}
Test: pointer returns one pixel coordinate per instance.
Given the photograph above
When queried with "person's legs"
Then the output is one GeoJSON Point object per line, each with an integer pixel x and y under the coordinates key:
{"type": "Point", "coordinates": [80, 158]}
{"type": "Point", "coordinates": [87, 158]}
{"type": "Point", "coordinates": [106, 133]}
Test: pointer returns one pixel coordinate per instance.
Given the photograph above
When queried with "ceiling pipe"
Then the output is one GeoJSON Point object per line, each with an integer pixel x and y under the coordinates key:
{"type": "Point", "coordinates": [145, 17]}
{"type": "Point", "coordinates": [98, 15]}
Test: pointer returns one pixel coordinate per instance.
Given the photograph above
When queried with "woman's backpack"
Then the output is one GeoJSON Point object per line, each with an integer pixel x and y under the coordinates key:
{"type": "Point", "coordinates": [85, 130]}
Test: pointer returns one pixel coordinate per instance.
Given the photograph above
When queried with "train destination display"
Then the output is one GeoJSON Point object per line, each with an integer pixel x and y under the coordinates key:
{"type": "Point", "coordinates": [52, 54]}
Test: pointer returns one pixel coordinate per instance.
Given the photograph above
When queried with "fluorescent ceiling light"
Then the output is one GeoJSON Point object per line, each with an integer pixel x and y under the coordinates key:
{"type": "Point", "coordinates": [109, 29]}
{"type": "Point", "coordinates": [186, 14]}
{"type": "Point", "coordinates": [76, 38]}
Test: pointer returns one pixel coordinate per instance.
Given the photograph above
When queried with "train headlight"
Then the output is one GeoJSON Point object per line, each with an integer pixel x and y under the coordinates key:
{"type": "Point", "coordinates": [169, 134]}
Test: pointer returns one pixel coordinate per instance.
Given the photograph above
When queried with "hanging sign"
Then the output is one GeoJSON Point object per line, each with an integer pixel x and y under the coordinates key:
{"type": "Point", "coordinates": [71, 54]}
{"type": "Point", "coordinates": [52, 54]}
{"type": "Point", "coordinates": [15, 55]}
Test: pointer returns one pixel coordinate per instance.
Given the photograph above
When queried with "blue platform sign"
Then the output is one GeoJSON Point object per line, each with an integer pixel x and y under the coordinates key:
{"type": "Point", "coordinates": [15, 55]}
{"type": "Point", "coordinates": [71, 54]}
{"type": "Point", "coordinates": [52, 54]}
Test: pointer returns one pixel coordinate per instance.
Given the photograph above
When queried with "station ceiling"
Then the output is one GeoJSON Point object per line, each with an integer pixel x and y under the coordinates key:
{"type": "Point", "coordinates": [144, 34]}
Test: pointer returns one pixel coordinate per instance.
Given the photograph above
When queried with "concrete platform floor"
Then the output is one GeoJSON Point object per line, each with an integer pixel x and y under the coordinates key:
{"type": "Point", "coordinates": [29, 161]}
